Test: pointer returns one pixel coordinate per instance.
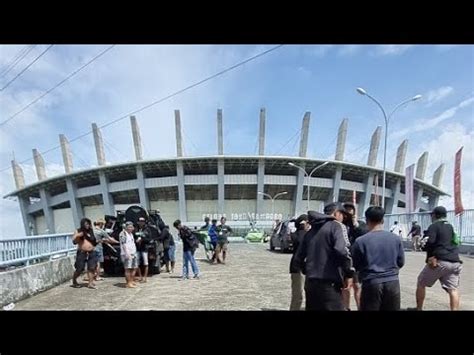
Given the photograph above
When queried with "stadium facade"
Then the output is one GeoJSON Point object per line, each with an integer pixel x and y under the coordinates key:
{"type": "Point", "coordinates": [190, 187]}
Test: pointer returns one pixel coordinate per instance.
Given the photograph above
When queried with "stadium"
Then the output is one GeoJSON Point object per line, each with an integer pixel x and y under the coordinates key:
{"type": "Point", "coordinates": [242, 188]}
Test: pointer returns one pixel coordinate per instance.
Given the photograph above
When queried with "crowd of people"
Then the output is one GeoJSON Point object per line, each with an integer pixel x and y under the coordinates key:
{"type": "Point", "coordinates": [335, 252]}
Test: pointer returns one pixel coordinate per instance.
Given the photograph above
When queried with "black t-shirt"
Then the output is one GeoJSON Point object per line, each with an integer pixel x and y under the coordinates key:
{"type": "Point", "coordinates": [439, 244]}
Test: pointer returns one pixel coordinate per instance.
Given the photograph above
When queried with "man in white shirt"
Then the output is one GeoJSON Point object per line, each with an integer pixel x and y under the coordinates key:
{"type": "Point", "coordinates": [395, 229]}
{"type": "Point", "coordinates": [128, 253]}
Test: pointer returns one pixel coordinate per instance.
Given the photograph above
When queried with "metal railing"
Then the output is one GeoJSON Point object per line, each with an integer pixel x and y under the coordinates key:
{"type": "Point", "coordinates": [463, 224]}
{"type": "Point", "coordinates": [26, 250]}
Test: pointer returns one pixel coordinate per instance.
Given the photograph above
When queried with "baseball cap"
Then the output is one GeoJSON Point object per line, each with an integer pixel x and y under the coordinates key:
{"type": "Point", "coordinates": [141, 219]}
{"type": "Point", "coordinates": [100, 221]}
{"type": "Point", "coordinates": [439, 211]}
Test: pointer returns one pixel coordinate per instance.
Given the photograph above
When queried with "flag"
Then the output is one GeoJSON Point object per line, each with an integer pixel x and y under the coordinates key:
{"type": "Point", "coordinates": [409, 195]}
{"type": "Point", "coordinates": [458, 208]}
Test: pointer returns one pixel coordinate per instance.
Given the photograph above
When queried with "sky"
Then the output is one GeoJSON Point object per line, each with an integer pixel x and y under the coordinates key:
{"type": "Point", "coordinates": [288, 82]}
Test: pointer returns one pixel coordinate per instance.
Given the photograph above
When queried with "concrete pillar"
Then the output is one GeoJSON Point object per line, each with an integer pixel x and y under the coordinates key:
{"type": "Point", "coordinates": [341, 140]}
{"type": "Point", "coordinates": [99, 145]}
{"type": "Point", "coordinates": [401, 155]}
{"type": "Point", "coordinates": [66, 152]}
{"type": "Point", "coordinates": [260, 185]}
{"type": "Point", "coordinates": [434, 202]}
{"type": "Point", "coordinates": [299, 207]}
{"type": "Point", "coordinates": [179, 139]}
{"type": "Point", "coordinates": [421, 166]}
{"type": "Point", "coordinates": [336, 185]}
{"type": "Point", "coordinates": [368, 191]}
{"type": "Point", "coordinates": [144, 200]}
{"type": "Point", "coordinates": [39, 165]}
{"type": "Point", "coordinates": [137, 141]}
{"type": "Point", "coordinates": [18, 175]}
{"type": "Point", "coordinates": [181, 192]}
{"type": "Point", "coordinates": [28, 220]}
{"type": "Point", "coordinates": [261, 162]}
{"type": "Point", "coordinates": [76, 207]}
{"type": "Point", "coordinates": [439, 175]}
{"type": "Point", "coordinates": [109, 207]}
{"type": "Point", "coordinates": [47, 210]}
{"type": "Point", "coordinates": [374, 147]}
{"type": "Point", "coordinates": [220, 186]}
{"type": "Point", "coordinates": [418, 195]}
{"type": "Point", "coordinates": [391, 205]}
{"type": "Point", "coordinates": [261, 133]}
{"type": "Point", "coordinates": [220, 137]}
{"type": "Point", "coordinates": [304, 135]}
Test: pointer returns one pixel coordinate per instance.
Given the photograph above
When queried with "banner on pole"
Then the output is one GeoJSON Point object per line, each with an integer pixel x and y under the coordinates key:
{"type": "Point", "coordinates": [409, 193]}
{"type": "Point", "coordinates": [458, 208]}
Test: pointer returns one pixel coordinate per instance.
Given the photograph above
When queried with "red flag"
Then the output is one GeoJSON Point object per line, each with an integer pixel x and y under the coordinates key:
{"type": "Point", "coordinates": [409, 195]}
{"type": "Point", "coordinates": [458, 208]}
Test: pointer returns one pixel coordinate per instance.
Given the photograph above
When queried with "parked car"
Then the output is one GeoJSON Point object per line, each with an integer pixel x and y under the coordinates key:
{"type": "Point", "coordinates": [281, 236]}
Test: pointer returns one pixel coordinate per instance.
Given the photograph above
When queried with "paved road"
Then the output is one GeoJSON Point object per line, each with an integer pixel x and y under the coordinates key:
{"type": "Point", "coordinates": [253, 279]}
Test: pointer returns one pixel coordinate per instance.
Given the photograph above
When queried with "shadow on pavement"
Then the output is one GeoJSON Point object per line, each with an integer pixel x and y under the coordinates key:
{"type": "Point", "coordinates": [120, 284]}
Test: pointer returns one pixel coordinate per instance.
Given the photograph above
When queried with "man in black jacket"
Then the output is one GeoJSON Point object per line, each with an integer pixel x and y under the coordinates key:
{"type": "Point", "coordinates": [297, 278]}
{"type": "Point", "coordinates": [442, 260]}
{"type": "Point", "coordinates": [325, 260]}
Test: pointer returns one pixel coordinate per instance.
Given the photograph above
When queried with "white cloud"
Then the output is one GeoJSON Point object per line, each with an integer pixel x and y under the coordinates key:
{"type": "Point", "coordinates": [435, 95]}
{"type": "Point", "coordinates": [424, 124]}
{"type": "Point", "coordinates": [391, 49]}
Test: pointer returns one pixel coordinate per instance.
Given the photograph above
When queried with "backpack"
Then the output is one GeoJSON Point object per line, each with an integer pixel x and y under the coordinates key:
{"type": "Point", "coordinates": [193, 240]}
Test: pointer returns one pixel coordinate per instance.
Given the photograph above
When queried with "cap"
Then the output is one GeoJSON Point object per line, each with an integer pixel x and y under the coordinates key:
{"type": "Point", "coordinates": [128, 223]}
{"type": "Point", "coordinates": [141, 219]}
{"type": "Point", "coordinates": [100, 221]}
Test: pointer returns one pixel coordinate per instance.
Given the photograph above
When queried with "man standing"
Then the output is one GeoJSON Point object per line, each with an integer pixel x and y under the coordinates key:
{"type": "Point", "coordinates": [205, 227]}
{"type": "Point", "coordinates": [415, 232]}
{"type": "Point", "coordinates": [128, 252]}
{"type": "Point", "coordinates": [355, 229]}
{"type": "Point", "coordinates": [86, 242]}
{"type": "Point", "coordinates": [186, 236]}
{"type": "Point", "coordinates": [213, 235]}
{"type": "Point", "coordinates": [395, 229]}
{"type": "Point", "coordinates": [144, 240]}
{"type": "Point", "coordinates": [168, 249]}
{"type": "Point", "coordinates": [378, 256]}
{"type": "Point", "coordinates": [102, 238]}
{"type": "Point", "coordinates": [223, 231]}
{"type": "Point", "coordinates": [325, 260]}
{"type": "Point", "coordinates": [297, 278]}
{"type": "Point", "coordinates": [442, 260]}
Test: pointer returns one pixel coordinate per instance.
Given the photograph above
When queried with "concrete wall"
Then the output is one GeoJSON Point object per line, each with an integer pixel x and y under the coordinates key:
{"type": "Point", "coordinates": [195, 209]}
{"type": "Point", "coordinates": [94, 212]}
{"type": "Point", "coordinates": [168, 210]}
{"type": "Point", "coordinates": [21, 283]}
{"type": "Point", "coordinates": [63, 221]}
{"type": "Point", "coordinates": [40, 225]}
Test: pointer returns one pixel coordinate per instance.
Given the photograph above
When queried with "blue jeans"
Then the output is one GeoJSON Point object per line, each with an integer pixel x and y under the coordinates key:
{"type": "Point", "coordinates": [189, 257]}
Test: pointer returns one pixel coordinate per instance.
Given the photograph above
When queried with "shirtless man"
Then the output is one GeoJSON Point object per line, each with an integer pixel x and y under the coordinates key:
{"type": "Point", "coordinates": [86, 242]}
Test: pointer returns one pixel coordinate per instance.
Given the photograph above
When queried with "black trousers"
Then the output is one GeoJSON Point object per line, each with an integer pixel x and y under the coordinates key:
{"type": "Point", "coordinates": [380, 297]}
{"type": "Point", "coordinates": [322, 295]}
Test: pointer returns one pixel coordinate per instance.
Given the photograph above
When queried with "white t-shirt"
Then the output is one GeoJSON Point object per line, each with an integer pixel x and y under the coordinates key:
{"type": "Point", "coordinates": [396, 229]}
{"type": "Point", "coordinates": [127, 243]}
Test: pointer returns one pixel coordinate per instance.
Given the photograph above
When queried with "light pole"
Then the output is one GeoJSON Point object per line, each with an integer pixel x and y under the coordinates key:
{"type": "Point", "coordinates": [273, 199]}
{"type": "Point", "coordinates": [306, 174]}
{"type": "Point", "coordinates": [387, 120]}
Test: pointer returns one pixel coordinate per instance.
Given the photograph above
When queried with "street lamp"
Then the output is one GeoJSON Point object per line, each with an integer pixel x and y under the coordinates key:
{"type": "Point", "coordinates": [273, 199]}
{"type": "Point", "coordinates": [387, 119]}
{"type": "Point", "coordinates": [306, 174]}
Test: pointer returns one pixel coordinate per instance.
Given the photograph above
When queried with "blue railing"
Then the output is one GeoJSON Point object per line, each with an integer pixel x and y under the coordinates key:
{"type": "Point", "coordinates": [463, 224]}
{"type": "Point", "coordinates": [26, 250]}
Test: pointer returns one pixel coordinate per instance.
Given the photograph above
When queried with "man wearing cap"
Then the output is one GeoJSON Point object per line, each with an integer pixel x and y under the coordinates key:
{"type": "Point", "coordinates": [102, 237]}
{"type": "Point", "coordinates": [325, 260]}
{"type": "Point", "coordinates": [297, 278]}
{"type": "Point", "coordinates": [442, 260]}
{"type": "Point", "coordinates": [143, 242]}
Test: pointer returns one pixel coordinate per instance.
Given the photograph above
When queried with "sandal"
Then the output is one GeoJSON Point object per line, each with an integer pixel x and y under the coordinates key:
{"type": "Point", "coordinates": [92, 287]}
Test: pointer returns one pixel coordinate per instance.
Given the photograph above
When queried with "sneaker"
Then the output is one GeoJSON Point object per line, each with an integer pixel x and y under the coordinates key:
{"type": "Point", "coordinates": [196, 277]}
{"type": "Point", "coordinates": [183, 278]}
